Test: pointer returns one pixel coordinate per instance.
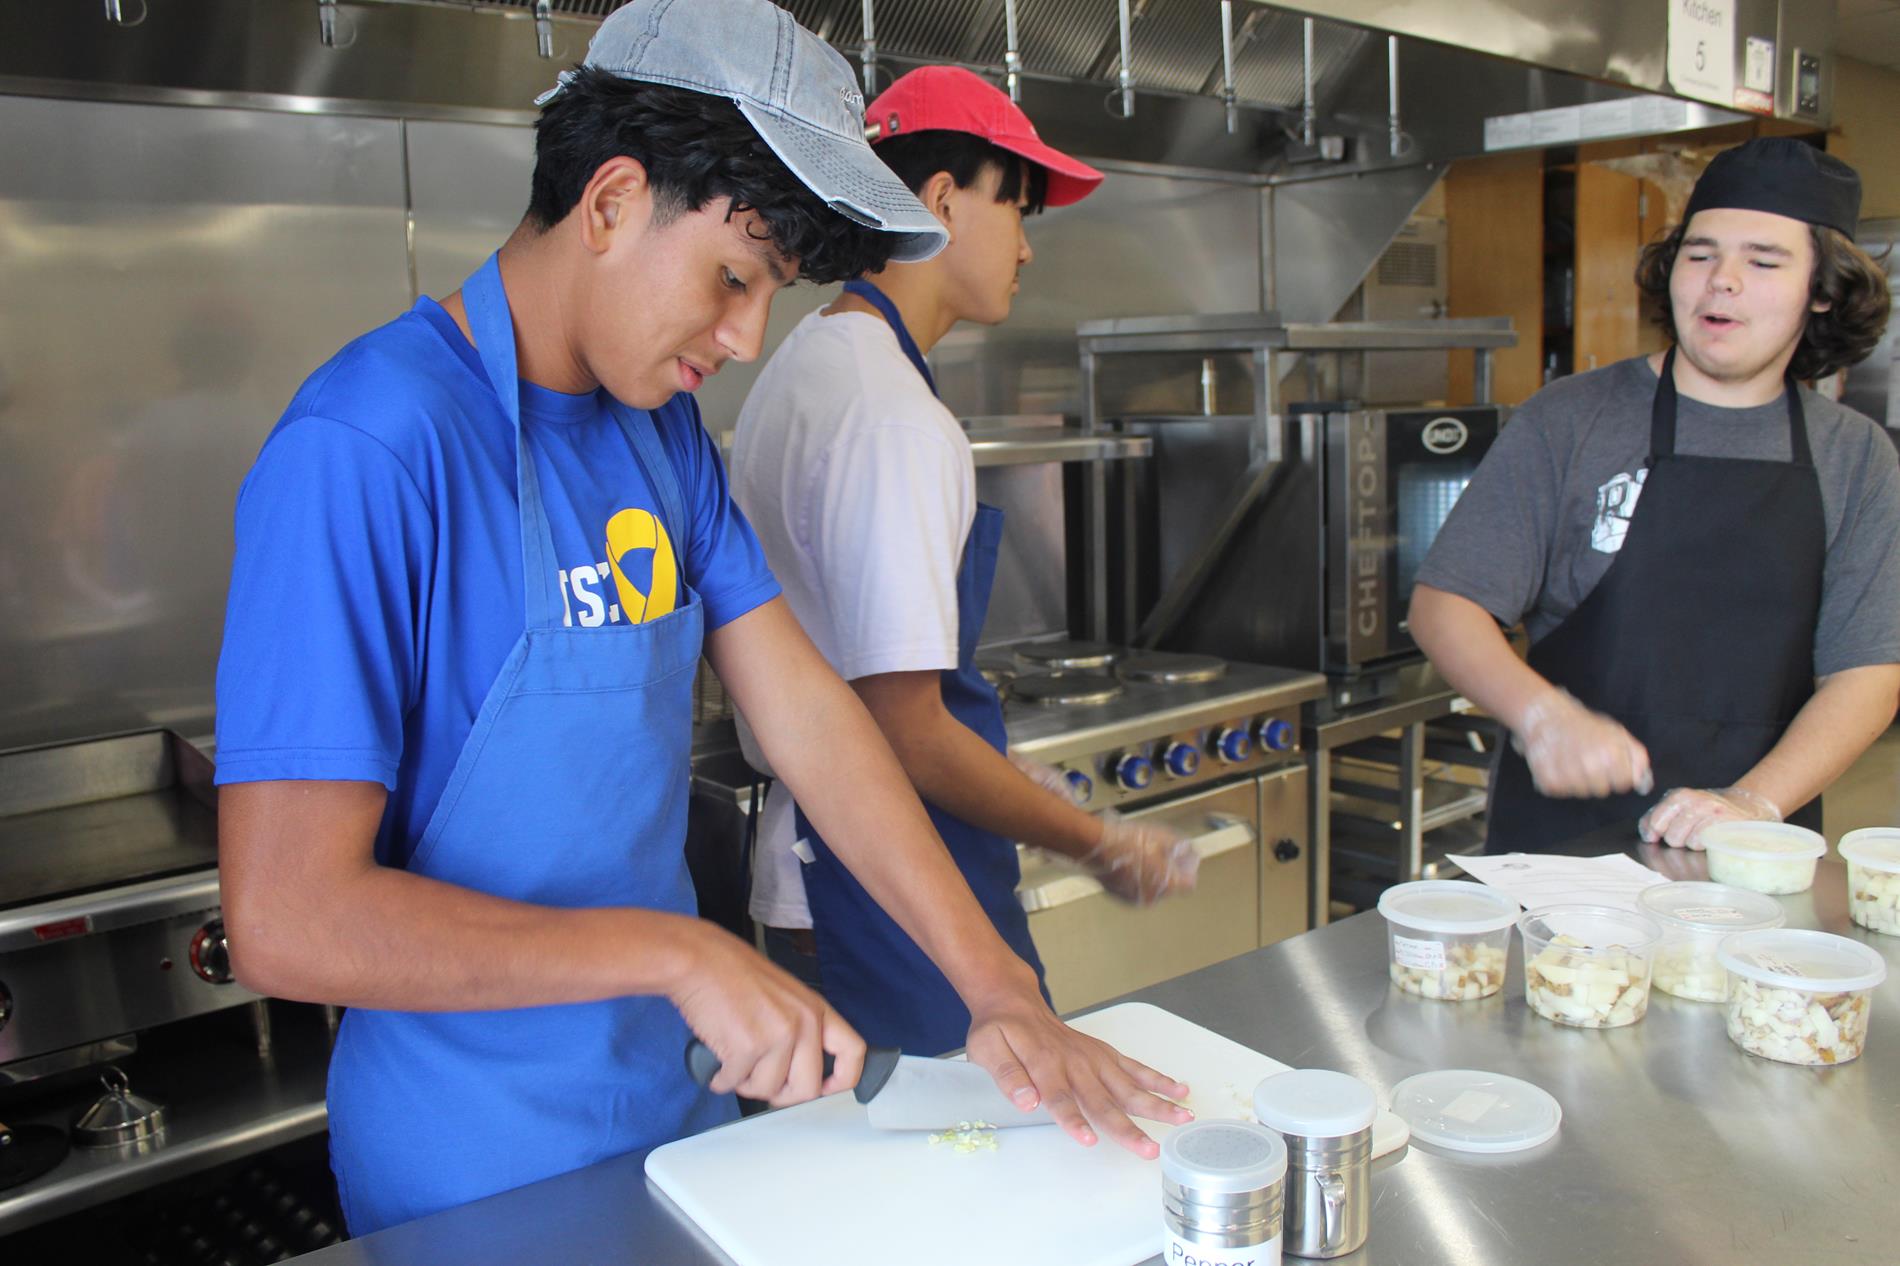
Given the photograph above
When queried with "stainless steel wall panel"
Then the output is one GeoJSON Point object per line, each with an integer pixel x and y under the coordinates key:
{"type": "Point", "coordinates": [1031, 596]}
{"type": "Point", "coordinates": [468, 189]}
{"type": "Point", "coordinates": [1873, 386]}
{"type": "Point", "coordinates": [1329, 233]}
{"type": "Point", "coordinates": [170, 275]}
{"type": "Point", "coordinates": [1141, 244]}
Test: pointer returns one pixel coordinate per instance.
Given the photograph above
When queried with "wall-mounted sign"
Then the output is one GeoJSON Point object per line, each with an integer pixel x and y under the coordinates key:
{"type": "Point", "coordinates": [1702, 49]}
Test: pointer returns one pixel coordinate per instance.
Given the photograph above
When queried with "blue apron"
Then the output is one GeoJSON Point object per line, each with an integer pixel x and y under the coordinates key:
{"type": "Point", "coordinates": [571, 791]}
{"type": "Point", "coordinates": [870, 969]}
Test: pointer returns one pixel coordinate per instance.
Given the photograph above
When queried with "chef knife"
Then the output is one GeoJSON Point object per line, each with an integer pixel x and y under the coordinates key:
{"type": "Point", "coordinates": [910, 1092]}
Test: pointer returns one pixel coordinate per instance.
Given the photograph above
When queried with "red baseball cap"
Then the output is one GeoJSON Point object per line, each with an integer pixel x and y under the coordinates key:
{"type": "Point", "coordinates": [951, 99]}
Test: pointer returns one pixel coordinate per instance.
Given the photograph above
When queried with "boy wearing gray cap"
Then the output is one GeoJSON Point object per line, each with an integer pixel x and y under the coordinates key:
{"type": "Point", "coordinates": [478, 561]}
{"type": "Point", "coordinates": [1703, 550]}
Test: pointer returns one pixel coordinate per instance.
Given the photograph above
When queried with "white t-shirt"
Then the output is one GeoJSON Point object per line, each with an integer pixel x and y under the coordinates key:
{"type": "Point", "coordinates": [862, 488]}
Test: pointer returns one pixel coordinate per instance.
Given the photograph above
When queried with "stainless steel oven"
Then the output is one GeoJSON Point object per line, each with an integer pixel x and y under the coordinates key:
{"type": "Point", "coordinates": [1251, 891]}
{"type": "Point", "coordinates": [1391, 478]}
{"type": "Point", "coordinates": [1302, 552]}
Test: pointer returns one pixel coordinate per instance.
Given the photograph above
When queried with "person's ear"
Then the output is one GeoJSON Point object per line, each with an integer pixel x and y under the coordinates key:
{"type": "Point", "coordinates": [615, 200]}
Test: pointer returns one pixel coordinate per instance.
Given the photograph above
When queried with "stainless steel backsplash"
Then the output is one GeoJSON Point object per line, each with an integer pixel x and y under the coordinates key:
{"type": "Point", "coordinates": [172, 273]}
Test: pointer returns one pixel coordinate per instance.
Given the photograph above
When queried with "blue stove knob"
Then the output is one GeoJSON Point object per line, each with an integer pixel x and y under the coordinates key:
{"type": "Point", "coordinates": [1181, 760]}
{"type": "Point", "coordinates": [1277, 735]}
{"type": "Point", "coordinates": [1233, 746]}
{"type": "Point", "coordinates": [1081, 787]}
{"type": "Point", "coordinates": [1134, 772]}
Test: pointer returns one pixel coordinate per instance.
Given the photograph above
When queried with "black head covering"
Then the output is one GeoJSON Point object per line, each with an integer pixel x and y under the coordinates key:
{"type": "Point", "coordinates": [1783, 176]}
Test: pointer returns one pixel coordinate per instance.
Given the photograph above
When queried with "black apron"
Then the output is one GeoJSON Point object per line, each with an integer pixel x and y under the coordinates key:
{"type": "Point", "coordinates": [1700, 637]}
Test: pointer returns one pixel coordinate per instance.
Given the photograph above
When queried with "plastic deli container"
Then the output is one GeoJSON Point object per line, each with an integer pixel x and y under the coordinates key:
{"type": "Point", "coordinates": [1873, 878]}
{"type": "Point", "coordinates": [1447, 938]}
{"type": "Point", "coordinates": [1771, 857]}
{"type": "Point", "coordinates": [1800, 997]}
{"type": "Point", "coordinates": [1695, 917]}
{"type": "Point", "coordinates": [1588, 966]}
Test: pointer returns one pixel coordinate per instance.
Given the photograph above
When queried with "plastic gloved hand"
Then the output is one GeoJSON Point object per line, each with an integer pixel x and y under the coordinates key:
{"type": "Point", "coordinates": [1575, 752]}
{"type": "Point", "coordinates": [1678, 818]}
{"type": "Point", "coordinates": [1141, 862]}
{"type": "Point", "coordinates": [1048, 777]}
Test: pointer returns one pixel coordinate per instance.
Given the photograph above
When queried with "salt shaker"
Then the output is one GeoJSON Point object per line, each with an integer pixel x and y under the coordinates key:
{"type": "Point", "coordinates": [1326, 1120]}
{"type": "Point", "coordinates": [1222, 1187]}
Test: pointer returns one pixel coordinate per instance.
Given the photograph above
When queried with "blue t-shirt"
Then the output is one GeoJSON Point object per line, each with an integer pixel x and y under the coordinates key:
{"type": "Point", "coordinates": [377, 586]}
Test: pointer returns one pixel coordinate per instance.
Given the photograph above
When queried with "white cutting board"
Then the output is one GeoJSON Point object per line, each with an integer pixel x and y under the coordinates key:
{"type": "Point", "coordinates": [815, 1185]}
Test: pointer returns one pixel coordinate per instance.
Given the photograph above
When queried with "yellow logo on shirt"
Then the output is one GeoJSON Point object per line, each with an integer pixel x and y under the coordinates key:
{"type": "Point", "coordinates": [628, 533]}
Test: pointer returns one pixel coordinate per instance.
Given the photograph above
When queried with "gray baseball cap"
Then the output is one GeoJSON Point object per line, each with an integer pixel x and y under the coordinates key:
{"type": "Point", "coordinates": [795, 90]}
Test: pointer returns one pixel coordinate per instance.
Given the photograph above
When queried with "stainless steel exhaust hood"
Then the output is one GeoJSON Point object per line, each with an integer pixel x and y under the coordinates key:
{"type": "Point", "coordinates": [1176, 43]}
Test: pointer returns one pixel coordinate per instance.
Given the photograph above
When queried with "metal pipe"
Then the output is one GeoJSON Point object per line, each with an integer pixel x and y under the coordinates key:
{"type": "Point", "coordinates": [1397, 137]}
{"type": "Point", "coordinates": [115, 11]}
{"type": "Point", "coordinates": [867, 53]}
{"type": "Point", "coordinates": [1227, 64]}
{"type": "Point", "coordinates": [1012, 57]}
{"type": "Point", "coordinates": [544, 27]}
{"type": "Point", "coordinates": [326, 22]}
{"type": "Point", "coordinates": [1126, 77]}
{"type": "Point", "coordinates": [1308, 114]}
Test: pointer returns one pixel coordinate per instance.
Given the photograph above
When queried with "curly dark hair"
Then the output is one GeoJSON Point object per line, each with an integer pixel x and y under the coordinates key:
{"type": "Point", "coordinates": [695, 148]}
{"type": "Point", "coordinates": [917, 156]}
{"type": "Point", "coordinates": [1846, 278]}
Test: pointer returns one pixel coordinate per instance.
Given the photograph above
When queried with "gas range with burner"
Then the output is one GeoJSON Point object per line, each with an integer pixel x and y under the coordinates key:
{"type": "Point", "coordinates": [109, 909]}
{"type": "Point", "coordinates": [1206, 747]}
{"type": "Point", "coordinates": [1133, 728]}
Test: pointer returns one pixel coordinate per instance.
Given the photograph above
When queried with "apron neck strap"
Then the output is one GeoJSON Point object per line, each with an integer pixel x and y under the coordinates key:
{"type": "Point", "coordinates": [882, 302]}
{"type": "Point", "coordinates": [493, 326]}
{"type": "Point", "coordinates": [1662, 417]}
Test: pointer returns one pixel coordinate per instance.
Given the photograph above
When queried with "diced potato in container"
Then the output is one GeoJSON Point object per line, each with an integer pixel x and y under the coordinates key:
{"type": "Point", "coordinates": [1588, 966]}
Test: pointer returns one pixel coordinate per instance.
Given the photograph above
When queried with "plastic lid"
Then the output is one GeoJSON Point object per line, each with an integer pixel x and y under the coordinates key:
{"type": "Point", "coordinates": [1766, 841]}
{"type": "Point", "coordinates": [1875, 847]}
{"type": "Point", "coordinates": [1794, 958]}
{"type": "Point", "coordinates": [1448, 905]}
{"type": "Point", "coordinates": [1223, 1157]}
{"type": "Point", "coordinates": [1710, 908]}
{"type": "Point", "coordinates": [1315, 1103]}
{"type": "Point", "coordinates": [1596, 927]}
{"type": "Point", "coordinates": [1471, 1111]}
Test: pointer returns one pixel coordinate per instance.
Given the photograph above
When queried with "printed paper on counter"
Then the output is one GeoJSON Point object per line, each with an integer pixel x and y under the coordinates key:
{"type": "Point", "coordinates": [1539, 880]}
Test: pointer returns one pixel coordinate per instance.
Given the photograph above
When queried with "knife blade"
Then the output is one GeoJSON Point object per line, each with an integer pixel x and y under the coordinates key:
{"type": "Point", "coordinates": [941, 1094]}
{"type": "Point", "coordinates": [910, 1092]}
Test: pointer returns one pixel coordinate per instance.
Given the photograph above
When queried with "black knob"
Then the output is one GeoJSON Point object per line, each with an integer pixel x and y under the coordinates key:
{"type": "Point", "coordinates": [211, 953]}
{"type": "Point", "coordinates": [1285, 851]}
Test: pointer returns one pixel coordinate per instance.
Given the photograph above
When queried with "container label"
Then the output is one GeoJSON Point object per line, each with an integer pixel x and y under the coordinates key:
{"type": "Point", "coordinates": [1424, 955]}
{"type": "Point", "coordinates": [1469, 1106]}
{"type": "Point", "coordinates": [1183, 1253]}
{"type": "Point", "coordinates": [1710, 914]}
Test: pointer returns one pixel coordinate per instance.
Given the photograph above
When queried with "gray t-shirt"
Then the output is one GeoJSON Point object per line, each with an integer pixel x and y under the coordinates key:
{"type": "Point", "coordinates": [1545, 514]}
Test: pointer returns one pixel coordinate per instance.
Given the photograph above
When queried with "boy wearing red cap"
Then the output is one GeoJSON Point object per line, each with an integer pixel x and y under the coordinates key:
{"type": "Point", "coordinates": [862, 488]}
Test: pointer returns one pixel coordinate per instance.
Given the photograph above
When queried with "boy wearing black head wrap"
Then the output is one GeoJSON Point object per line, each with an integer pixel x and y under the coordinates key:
{"type": "Point", "coordinates": [1702, 550]}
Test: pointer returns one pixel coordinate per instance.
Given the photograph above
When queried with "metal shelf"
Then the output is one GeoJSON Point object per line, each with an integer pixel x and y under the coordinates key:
{"type": "Point", "coordinates": [224, 1101]}
{"type": "Point", "coordinates": [1265, 330]}
{"type": "Point", "coordinates": [1033, 445]}
{"type": "Point", "coordinates": [1362, 804]}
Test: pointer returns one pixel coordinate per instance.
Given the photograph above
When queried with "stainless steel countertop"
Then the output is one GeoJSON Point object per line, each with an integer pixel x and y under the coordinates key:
{"type": "Point", "coordinates": [1676, 1147]}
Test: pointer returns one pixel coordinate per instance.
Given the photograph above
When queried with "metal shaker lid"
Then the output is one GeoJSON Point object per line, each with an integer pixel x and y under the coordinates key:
{"type": "Point", "coordinates": [1223, 1157]}
{"type": "Point", "coordinates": [119, 1116]}
{"type": "Point", "coordinates": [1315, 1103]}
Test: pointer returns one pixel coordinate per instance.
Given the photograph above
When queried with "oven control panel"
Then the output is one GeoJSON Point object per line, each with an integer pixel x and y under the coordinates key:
{"type": "Point", "coordinates": [1147, 767]}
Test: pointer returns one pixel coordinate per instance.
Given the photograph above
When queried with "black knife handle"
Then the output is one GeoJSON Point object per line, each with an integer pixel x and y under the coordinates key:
{"type": "Point", "coordinates": [702, 1066]}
